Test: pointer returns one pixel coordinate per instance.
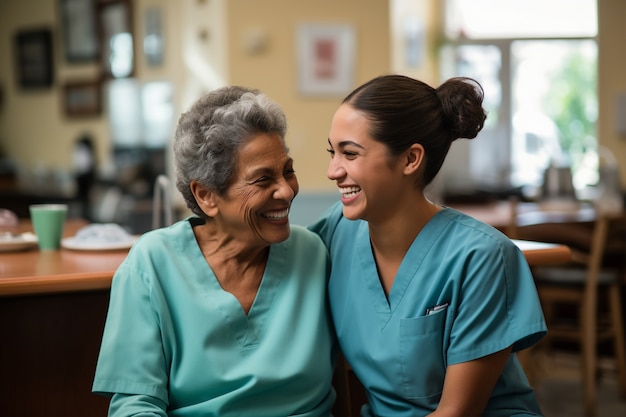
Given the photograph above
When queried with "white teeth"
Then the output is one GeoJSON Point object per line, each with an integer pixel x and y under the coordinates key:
{"type": "Point", "coordinates": [349, 192]}
{"type": "Point", "coordinates": [277, 214]}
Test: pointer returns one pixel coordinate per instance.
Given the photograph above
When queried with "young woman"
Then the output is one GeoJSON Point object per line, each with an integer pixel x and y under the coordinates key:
{"type": "Point", "coordinates": [429, 304]}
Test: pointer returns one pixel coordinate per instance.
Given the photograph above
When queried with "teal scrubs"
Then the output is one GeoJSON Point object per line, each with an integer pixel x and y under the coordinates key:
{"type": "Point", "coordinates": [176, 344]}
{"type": "Point", "coordinates": [463, 291]}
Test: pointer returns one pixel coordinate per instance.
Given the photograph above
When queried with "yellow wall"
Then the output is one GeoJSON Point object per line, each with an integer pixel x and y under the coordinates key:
{"type": "Point", "coordinates": [36, 133]}
{"type": "Point", "coordinates": [274, 71]}
{"type": "Point", "coordinates": [611, 76]}
{"type": "Point", "coordinates": [34, 130]}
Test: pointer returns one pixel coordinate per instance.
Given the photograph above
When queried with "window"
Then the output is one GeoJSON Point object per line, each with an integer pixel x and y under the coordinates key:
{"type": "Point", "coordinates": [510, 19]}
{"type": "Point", "coordinates": [540, 89]}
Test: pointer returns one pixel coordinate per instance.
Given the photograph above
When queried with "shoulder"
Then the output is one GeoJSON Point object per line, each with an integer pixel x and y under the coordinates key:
{"type": "Point", "coordinates": [329, 218]}
{"type": "Point", "coordinates": [161, 245]}
{"type": "Point", "coordinates": [470, 225]}
{"type": "Point", "coordinates": [157, 253]}
{"type": "Point", "coordinates": [473, 235]}
{"type": "Point", "coordinates": [300, 235]}
{"type": "Point", "coordinates": [482, 250]}
{"type": "Point", "coordinates": [169, 235]}
{"type": "Point", "coordinates": [303, 253]}
{"type": "Point", "coordinates": [332, 224]}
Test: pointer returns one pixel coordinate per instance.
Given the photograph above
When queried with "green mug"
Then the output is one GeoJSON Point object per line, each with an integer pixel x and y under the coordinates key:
{"type": "Point", "coordinates": [48, 222]}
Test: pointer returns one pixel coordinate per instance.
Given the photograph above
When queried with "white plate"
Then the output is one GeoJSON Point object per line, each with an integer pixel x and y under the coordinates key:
{"type": "Point", "coordinates": [19, 242]}
{"type": "Point", "coordinates": [73, 244]}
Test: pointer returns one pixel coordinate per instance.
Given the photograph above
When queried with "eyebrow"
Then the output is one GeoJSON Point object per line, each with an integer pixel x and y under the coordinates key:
{"type": "Point", "coordinates": [267, 170]}
{"type": "Point", "coordinates": [344, 143]}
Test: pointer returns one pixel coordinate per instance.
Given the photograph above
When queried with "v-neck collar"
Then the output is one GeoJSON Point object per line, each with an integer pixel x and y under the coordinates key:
{"type": "Point", "coordinates": [409, 267]}
{"type": "Point", "coordinates": [247, 329]}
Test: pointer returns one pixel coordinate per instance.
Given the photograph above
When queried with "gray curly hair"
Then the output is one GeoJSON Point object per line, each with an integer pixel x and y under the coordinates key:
{"type": "Point", "coordinates": [209, 134]}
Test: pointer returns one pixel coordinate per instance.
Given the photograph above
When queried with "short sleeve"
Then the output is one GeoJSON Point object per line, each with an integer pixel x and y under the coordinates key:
{"type": "Point", "coordinates": [499, 306]}
{"type": "Point", "coordinates": [131, 359]}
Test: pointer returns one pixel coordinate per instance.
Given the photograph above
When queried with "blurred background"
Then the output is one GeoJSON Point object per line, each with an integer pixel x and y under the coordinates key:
{"type": "Point", "coordinates": [91, 90]}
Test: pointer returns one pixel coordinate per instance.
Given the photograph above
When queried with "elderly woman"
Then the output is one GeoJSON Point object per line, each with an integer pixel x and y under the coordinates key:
{"type": "Point", "coordinates": [223, 313]}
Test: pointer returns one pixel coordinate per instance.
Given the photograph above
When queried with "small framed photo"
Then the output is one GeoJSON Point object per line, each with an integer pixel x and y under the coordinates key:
{"type": "Point", "coordinates": [116, 38]}
{"type": "Point", "coordinates": [34, 58]}
{"type": "Point", "coordinates": [326, 54]}
{"type": "Point", "coordinates": [79, 29]}
{"type": "Point", "coordinates": [82, 98]}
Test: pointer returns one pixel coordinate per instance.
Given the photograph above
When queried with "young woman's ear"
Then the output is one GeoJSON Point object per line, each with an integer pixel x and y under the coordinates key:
{"type": "Point", "coordinates": [414, 158]}
{"type": "Point", "coordinates": [205, 197]}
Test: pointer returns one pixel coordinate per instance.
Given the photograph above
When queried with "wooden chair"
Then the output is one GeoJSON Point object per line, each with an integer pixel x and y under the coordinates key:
{"type": "Point", "coordinates": [341, 383]}
{"type": "Point", "coordinates": [350, 393]}
{"type": "Point", "coordinates": [589, 286]}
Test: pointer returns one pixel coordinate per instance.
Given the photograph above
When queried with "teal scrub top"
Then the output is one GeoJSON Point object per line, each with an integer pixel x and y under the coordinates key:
{"type": "Point", "coordinates": [179, 345]}
{"type": "Point", "coordinates": [463, 291]}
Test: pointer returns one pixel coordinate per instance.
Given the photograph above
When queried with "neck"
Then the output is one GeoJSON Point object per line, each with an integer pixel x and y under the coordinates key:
{"type": "Point", "coordinates": [221, 248]}
{"type": "Point", "coordinates": [393, 236]}
{"type": "Point", "coordinates": [238, 266]}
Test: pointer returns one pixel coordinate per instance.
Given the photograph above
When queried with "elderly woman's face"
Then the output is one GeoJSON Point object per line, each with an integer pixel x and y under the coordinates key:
{"type": "Point", "coordinates": [259, 196]}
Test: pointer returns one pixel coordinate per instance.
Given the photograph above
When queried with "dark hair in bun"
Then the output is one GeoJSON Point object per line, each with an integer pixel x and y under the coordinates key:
{"type": "Point", "coordinates": [403, 111]}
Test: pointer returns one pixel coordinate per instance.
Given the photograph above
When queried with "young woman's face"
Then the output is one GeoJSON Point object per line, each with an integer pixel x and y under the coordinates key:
{"type": "Point", "coordinates": [368, 177]}
{"type": "Point", "coordinates": [256, 204]}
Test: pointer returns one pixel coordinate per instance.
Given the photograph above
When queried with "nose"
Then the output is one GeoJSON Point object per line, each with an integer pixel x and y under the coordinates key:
{"type": "Point", "coordinates": [335, 169]}
{"type": "Point", "coordinates": [286, 190]}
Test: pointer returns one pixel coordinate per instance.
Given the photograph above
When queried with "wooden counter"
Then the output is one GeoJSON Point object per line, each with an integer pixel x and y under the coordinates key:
{"type": "Point", "coordinates": [53, 306]}
{"type": "Point", "coordinates": [44, 272]}
{"type": "Point", "coordinates": [34, 272]}
{"type": "Point", "coordinates": [50, 344]}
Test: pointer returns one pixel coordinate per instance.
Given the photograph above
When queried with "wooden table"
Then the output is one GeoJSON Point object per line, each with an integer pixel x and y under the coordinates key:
{"type": "Point", "coordinates": [566, 224]}
{"type": "Point", "coordinates": [499, 213]}
{"type": "Point", "coordinates": [541, 253]}
{"type": "Point", "coordinates": [37, 272]}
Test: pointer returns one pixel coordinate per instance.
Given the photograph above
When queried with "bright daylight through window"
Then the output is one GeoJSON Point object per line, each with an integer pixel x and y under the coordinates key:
{"type": "Point", "coordinates": [537, 60]}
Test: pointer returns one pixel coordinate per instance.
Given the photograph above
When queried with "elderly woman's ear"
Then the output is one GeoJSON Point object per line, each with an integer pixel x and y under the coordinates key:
{"type": "Point", "coordinates": [205, 197]}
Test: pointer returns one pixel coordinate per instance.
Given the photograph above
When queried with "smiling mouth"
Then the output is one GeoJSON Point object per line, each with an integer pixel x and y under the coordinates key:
{"type": "Point", "coordinates": [349, 192]}
{"type": "Point", "coordinates": [276, 215]}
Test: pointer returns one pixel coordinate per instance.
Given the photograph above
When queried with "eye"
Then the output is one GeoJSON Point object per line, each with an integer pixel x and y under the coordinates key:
{"type": "Point", "coordinates": [261, 180]}
{"type": "Point", "coordinates": [289, 173]}
{"type": "Point", "coordinates": [331, 152]}
{"type": "Point", "coordinates": [350, 155]}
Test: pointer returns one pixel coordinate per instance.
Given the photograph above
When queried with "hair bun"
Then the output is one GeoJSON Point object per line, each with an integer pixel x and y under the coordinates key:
{"type": "Point", "coordinates": [461, 100]}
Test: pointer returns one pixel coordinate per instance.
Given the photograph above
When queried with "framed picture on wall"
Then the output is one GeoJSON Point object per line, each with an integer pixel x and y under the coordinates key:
{"type": "Point", "coordinates": [116, 38]}
{"type": "Point", "coordinates": [79, 30]}
{"type": "Point", "coordinates": [325, 58]}
{"type": "Point", "coordinates": [153, 41]}
{"type": "Point", "coordinates": [33, 50]}
{"type": "Point", "coordinates": [82, 98]}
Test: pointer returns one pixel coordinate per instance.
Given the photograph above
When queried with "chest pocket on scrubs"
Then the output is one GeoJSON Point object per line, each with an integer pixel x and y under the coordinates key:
{"type": "Point", "coordinates": [421, 353]}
